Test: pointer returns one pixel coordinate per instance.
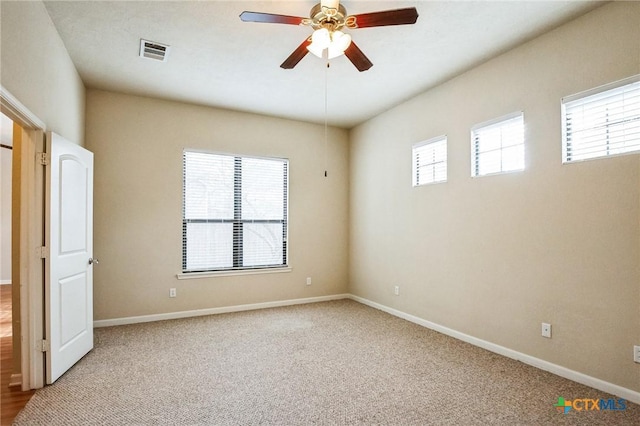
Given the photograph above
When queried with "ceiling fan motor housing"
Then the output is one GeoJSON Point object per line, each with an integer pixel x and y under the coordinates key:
{"type": "Point", "coordinates": [331, 19]}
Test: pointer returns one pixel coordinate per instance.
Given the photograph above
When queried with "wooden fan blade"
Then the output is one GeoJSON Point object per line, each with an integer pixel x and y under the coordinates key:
{"type": "Point", "coordinates": [387, 17]}
{"type": "Point", "coordinates": [270, 18]}
{"type": "Point", "coordinates": [296, 56]}
{"type": "Point", "coordinates": [357, 58]}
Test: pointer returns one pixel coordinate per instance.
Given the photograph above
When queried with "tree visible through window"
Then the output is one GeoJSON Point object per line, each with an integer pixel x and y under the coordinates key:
{"type": "Point", "coordinates": [234, 212]}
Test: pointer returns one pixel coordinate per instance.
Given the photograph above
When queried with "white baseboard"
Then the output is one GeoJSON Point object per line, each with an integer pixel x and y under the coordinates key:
{"type": "Point", "coordinates": [558, 370]}
{"type": "Point", "coordinates": [213, 311]}
{"type": "Point", "coordinates": [4, 282]}
{"type": "Point", "coordinates": [15, 380]}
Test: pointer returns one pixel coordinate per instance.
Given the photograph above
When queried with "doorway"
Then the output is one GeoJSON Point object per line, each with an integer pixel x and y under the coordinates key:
{"type": "Point", "coordinates": [6, 153]}
{"type": "Point", "coordinates": [6, 294]}
{"type": "Point", "coordinates": [13, 398]}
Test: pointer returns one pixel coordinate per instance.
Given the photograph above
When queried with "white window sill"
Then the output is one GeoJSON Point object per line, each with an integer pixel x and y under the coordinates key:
{"type": "Point", "coordinates": [210, 274]}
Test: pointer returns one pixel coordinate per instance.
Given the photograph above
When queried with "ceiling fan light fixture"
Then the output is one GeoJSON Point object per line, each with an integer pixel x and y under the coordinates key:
{"type": "Point", "coordinates": [316, 50]}
{"type": "Point", "coordinates": [335, 41]}
{"type": "Point", "coordinates": [339, 43]}
{"type": "Point", "coordinates": [320, 40]}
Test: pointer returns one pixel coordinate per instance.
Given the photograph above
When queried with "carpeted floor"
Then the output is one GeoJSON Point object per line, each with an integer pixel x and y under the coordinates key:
{"type": "Point", "coordinates": [333, 363]}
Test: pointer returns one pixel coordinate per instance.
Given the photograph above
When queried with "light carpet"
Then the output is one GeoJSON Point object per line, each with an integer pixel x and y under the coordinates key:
{"type": "Point", "coordinates": [331, 363]}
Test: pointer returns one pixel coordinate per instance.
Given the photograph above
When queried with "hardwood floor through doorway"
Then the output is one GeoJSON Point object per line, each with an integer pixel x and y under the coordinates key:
{"type": "Point", "coordinates": [12, 399]}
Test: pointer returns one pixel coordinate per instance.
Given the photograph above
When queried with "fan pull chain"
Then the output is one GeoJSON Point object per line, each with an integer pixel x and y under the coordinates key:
{"type": "Point", "coordinates": [326, 79]}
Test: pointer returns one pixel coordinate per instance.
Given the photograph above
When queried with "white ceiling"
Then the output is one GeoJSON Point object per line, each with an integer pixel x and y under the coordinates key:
{"type": "Point", "coordinates": [220, 61]}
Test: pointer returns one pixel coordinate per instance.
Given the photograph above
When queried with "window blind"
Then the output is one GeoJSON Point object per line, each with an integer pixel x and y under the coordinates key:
{"type": "Point", "coordinates": [602, 122]}
{"type": "Point", "coordinates": [234, 212]}
{"type": "Point", "coordinates": [430, 161]}
{"type": "Point", "coordinates": [498, 145]}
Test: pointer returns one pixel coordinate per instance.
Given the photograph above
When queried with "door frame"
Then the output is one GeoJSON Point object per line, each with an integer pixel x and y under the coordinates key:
{"type": "Point", "coordinates": [31, 236]}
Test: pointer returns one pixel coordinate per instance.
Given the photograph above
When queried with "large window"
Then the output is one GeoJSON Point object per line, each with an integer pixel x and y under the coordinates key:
{"type": "Point", "coordinates": [430, 161]}
{"type": "Point", "coordinates": [234, 212]}
{"type": "Point", "coordinates": [602, 122]}
{"type": "Point", "coordinates": [498, 146]}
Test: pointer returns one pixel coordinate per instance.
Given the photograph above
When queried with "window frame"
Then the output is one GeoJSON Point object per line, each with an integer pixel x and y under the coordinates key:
{"type": "Point", "coordinates": [237, 221]}
{"type": "Point", "coordinates": [581, 96]}
{"type": "Point", "coordinates": [415, 166]}
{"type": "Point", "coordinates": [475, 153]}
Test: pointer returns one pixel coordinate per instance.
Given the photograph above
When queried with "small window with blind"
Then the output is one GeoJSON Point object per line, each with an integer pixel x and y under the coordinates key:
{"type": "Point", "coordinates": [234, 212]}
{"type": "Point", "coordinates": [602, 122]}
{"type": "Point", "coordinates": [430, 161]}
{"type": "Point", "coordinates": [497, 146]}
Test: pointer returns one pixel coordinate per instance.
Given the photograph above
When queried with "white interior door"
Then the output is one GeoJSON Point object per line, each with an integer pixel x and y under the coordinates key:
{"type": "Point", "coordinates": [69, 264]}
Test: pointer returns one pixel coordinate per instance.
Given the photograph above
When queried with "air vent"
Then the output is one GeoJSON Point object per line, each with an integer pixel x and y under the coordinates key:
{"type": "Point", "coordinates": [153, 50]}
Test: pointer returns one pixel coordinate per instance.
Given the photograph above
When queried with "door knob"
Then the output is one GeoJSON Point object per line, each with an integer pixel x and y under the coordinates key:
{"type": "Point", "coordinates": [92, 261]}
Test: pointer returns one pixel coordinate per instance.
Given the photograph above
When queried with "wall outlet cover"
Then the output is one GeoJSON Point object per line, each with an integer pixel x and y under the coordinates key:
{"type": "Point", "coordinates": [546, 330]}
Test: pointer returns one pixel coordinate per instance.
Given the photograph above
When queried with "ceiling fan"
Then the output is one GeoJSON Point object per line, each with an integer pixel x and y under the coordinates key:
{"type": "Point", "coordinates": [328, 18]}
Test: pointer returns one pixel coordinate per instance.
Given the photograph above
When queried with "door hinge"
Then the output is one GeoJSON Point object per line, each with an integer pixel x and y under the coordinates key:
{"type": "Point", "coordinates": [42, 158]}
{"type": "Point", "coordinates": [45, 346]}
{"type": "Point", "coordinates": [43, 252]}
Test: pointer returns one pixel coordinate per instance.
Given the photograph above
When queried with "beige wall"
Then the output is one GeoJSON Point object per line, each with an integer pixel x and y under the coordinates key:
{"type": "Point", "coordinates": [138, 144]}
{"type": "Point", "coordinates": [495, 256]}
{"type": "Point", "coordinates": [36, 68]}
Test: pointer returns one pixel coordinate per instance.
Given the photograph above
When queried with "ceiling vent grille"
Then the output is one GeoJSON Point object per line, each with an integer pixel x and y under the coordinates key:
{"type": "Point", "coordinates": [153, 50]}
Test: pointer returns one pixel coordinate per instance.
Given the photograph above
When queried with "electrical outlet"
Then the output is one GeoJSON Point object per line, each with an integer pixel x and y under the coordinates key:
{"type": "Point", "coordinates": [396, 290]}
{"type": "Point", "coordinates": [546, 330]}
{"type": "Point", "coordinates": [636, 353]}
{"type": "Point", "coordinates": [172, 292]}
{"type": "Point", "coordinates": [308, 280]}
